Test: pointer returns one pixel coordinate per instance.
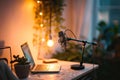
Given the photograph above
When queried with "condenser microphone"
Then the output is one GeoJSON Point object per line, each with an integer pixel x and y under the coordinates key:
{"type": "Point", "coordinates": [62, 39]}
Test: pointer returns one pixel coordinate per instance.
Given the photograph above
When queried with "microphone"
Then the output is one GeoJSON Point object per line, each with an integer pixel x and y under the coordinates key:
{"type": "Point", "coordinates": [94, 43]}
{"type": "Point", "coordinates": [62, 39]}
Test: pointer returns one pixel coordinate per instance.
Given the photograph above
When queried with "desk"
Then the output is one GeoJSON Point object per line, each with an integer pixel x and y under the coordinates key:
{"type": "Point", "coordinates": [65, 73]}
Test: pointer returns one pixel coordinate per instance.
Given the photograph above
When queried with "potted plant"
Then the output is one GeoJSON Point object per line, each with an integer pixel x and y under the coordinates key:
{"type": "Point", "coordinates": [21, 66]}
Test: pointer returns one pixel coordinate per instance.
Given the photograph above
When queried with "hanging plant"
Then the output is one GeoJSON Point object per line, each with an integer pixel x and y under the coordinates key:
{"type": "Point", "coordinates": [48, 21]}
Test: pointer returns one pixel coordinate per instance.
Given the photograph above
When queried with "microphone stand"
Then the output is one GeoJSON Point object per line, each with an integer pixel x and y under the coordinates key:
{"type": "Point", "coordinates": [80, 66]}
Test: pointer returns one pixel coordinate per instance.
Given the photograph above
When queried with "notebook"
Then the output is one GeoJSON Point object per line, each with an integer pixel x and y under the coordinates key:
{"type": "Point", "coordinates": [37, 68]}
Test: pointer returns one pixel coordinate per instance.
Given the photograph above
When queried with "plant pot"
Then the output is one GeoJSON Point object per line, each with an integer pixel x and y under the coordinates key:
{"type": "Point", "coordinates": [22, 71]}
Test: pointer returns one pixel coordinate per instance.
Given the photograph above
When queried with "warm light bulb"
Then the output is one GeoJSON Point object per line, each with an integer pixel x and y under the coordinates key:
{"type": "Point", "coordinates": [50, 43]}
{"type": "Point", "coordinates": [38, 1]}
{"type": "Point", "coordinates": [41, 25]}
{"type": "Point", "coordinates": [41, 13]}
{"type": "Point", "coordinates": [43, 39]}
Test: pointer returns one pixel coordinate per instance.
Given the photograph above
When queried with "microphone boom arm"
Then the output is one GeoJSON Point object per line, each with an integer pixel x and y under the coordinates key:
{"type": "Point", "coordinates": [63, 40]}
{"type": "Point", "coordinates": [93, 43]}
{"type": "Point", "coordinates": [81, 66]}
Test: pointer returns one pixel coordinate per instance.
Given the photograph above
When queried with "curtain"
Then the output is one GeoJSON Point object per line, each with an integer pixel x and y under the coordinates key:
{"type": "Point", "coordinates": [78, 16]}
{"type": "Point", "coordinates": [73, 15]}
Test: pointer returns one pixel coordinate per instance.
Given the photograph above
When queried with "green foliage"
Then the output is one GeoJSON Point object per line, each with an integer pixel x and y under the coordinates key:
{"type": "Point", "coordinates": [107, 33]}
{"type": "Point", "coordinates": [51, 19]}
{"type": "Point", "coordinates": [72, 53]}
{"type": "Point", "coordinates": [102, 24]}
{"type": "Point", "coordinates": [19, 60]}
{"type": "Point", "coordinates": [48, 7]}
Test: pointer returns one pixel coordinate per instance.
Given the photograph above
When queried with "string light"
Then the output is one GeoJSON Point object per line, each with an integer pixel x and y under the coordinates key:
{"type": "Point", "coordinates": [41, 25]}
{"type": "Point", "coordinates": [43, 39]}
{"type": "Point", "coordinates": [41, 13]}
{"type": "Point", "coordinates": [50, 42]}
{"type": "Point", "coordinates": [38, 1]}
{"type": "Point", "coordinates": [41, 17]}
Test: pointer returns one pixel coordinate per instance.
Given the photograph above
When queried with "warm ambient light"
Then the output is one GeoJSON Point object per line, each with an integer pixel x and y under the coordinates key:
{"type": "Point", "coordinates": [50, 43]}
{"type": "Point", "coordinates": [41, 13]}
{"type": "Point", "coordinates": [43, 39]}
{"type": "Point", "coordinates": [41, 25]}
{"type": "Point", "coordinates": [38, 1]}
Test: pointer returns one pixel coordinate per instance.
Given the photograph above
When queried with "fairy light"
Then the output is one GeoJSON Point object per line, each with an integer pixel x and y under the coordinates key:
{"type": "Point", "coordinates": [43, 39]}
{"type": "Point", "coordinates": [40, 13]}
{"type": "Point", "coordinates": [41, 25]}
{"type": "Point", "coordinates": [41, 18]}
{"type": "Point", "coordinates": [50, 42]}
{"type": "Point", "coordinates": [38, 1]}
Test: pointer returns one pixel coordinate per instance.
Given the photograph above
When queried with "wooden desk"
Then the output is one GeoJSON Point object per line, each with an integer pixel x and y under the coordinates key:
{"type": "Point", "coordinates": [65, 73]}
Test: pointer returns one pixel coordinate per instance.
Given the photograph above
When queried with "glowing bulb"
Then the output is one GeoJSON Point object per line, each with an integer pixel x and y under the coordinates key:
{"type": "Point", "coordinates": [38, 1]}
{"type": "Point", "coordinates": [41, 13]}
{"type": "Point", "coordinates": [43, 39]}
{"type": "Point", "coordinates": [50, 43]}
{"type": "Point", "coordinates": [41, 25]}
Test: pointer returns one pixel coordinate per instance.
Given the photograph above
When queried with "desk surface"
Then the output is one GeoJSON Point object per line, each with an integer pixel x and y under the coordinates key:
{"type": "Point", "coordinates": [65, 73]}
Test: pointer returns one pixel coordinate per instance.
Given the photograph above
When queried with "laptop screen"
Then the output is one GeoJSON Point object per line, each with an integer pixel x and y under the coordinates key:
{"type": "Point", "coordinates": [27, 53]}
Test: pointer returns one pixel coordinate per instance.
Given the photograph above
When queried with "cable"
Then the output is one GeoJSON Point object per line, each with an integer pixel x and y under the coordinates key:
{"type": "Point", "coordinates": [71, 32]}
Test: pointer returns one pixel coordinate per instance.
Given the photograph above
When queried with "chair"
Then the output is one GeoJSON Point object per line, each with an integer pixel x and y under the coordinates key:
{"type": "Point", "coordinates": [4, 58]}
{"type": "Point", "coordinates": [5, 72]}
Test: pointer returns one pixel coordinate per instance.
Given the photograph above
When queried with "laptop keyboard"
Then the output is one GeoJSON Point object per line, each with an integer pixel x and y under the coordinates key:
{"type": "Point", "coordinates": [42, 67]}
{"type": "Point", "coordinates": [48, 67]}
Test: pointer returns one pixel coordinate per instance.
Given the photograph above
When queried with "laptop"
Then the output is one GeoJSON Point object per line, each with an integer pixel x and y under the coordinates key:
{"type": "Point", "coordinates": [38, 68]}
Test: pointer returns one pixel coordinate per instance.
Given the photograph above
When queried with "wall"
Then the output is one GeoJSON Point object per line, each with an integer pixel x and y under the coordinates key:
{"type": "Point", "coordinates": [16, 24]}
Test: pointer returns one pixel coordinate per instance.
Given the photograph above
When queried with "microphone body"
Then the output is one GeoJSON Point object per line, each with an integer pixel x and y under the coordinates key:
{"type": "Point", "coordinates": [62, 39]}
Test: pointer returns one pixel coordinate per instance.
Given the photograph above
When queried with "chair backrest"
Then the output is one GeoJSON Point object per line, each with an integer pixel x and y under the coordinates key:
{"type": "Point", "coordinates": [5, 72]}
{"type": "Point", "coordinates": [6, 55]}
{"type": "Point", "coordinates": [5, 59]}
